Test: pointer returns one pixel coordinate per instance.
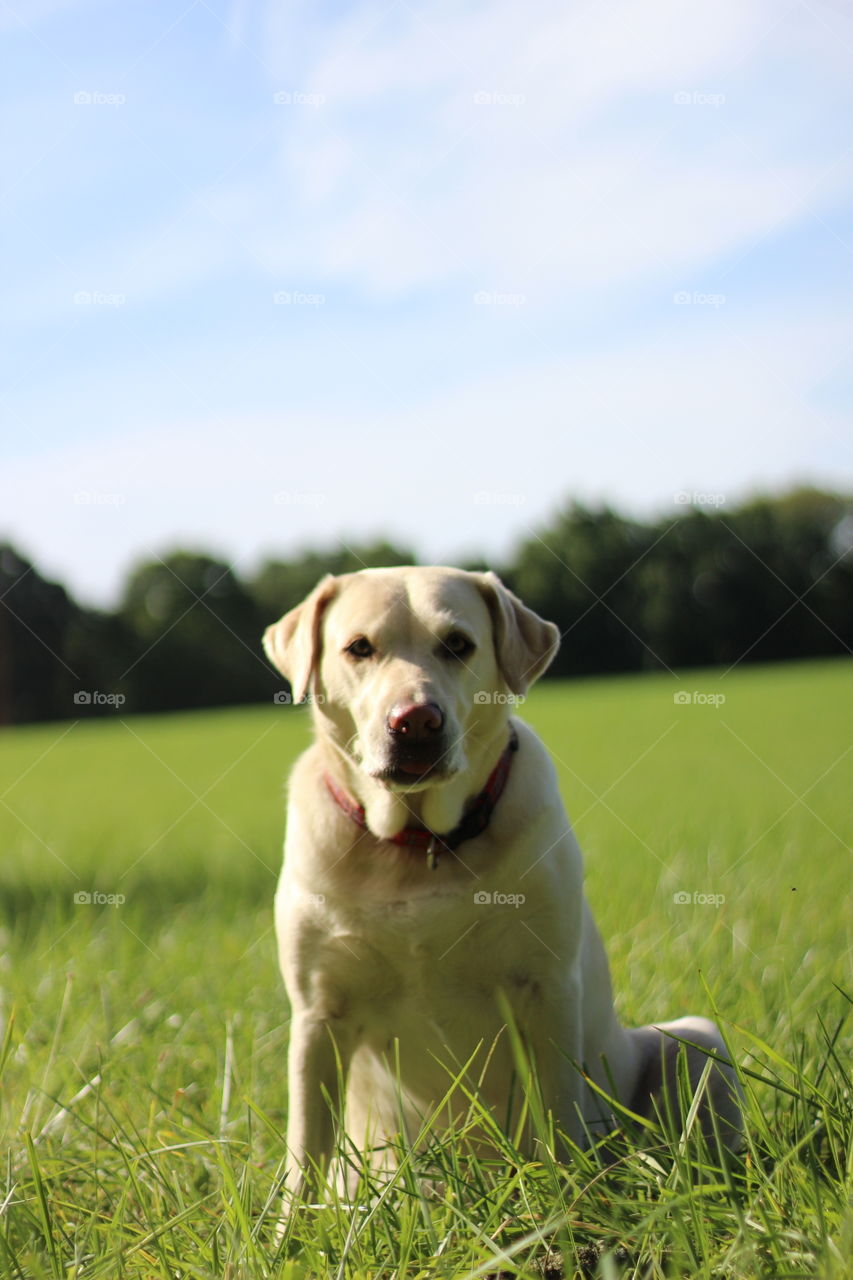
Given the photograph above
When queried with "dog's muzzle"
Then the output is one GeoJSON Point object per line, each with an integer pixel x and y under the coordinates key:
{"type": "Point", "coordinates": [417, 742]}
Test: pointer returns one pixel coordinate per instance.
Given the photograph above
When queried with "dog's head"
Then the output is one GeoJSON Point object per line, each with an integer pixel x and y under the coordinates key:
{"type": "Point", "coordinates": [410, 669]}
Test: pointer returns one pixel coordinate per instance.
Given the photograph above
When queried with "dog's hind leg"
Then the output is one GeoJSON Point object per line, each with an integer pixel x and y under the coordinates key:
{"type": "Point", "coordinates": [658, 1050]}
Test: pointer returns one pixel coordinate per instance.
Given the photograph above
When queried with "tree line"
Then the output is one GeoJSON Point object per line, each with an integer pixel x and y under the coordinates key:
{"type": "Point", "coordinates": [770, 580]}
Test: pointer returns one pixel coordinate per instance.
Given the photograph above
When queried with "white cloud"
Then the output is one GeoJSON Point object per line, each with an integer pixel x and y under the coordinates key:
{"type": "Point", "coordinates": [581, 54]}
{"type": "Point", "coordinates": [595, 176]}
{"type": "Point", "coordinates": [400, 182]}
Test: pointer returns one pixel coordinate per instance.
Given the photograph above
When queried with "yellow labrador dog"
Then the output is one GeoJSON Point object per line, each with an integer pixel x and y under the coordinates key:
{"type": "Point", "coordinates": [432, 889]}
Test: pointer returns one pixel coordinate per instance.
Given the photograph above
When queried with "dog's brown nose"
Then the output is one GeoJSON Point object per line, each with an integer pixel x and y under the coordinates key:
{"type": "Point", "coordinates": [418, 721]}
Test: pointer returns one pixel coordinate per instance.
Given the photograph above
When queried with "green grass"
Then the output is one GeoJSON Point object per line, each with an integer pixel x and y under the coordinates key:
{"type": "Point", "coordinates": [165, 1019]}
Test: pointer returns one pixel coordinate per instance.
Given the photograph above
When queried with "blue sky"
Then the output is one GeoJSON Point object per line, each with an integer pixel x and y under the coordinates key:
{"type": "Point", "coordinates": [281, 274]}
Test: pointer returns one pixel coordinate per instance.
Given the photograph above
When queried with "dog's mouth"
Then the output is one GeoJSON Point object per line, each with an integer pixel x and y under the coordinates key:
{"type": "Point", "coordinates": [403, 765]}
{"type": "Point", "coordinates": [412, 771]}
{"type": "Point", "coordinates": [416, 767]}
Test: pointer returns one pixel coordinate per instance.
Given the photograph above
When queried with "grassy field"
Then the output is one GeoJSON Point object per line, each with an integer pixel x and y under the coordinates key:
{"type": "Point", "coordinates": [144, 1040]}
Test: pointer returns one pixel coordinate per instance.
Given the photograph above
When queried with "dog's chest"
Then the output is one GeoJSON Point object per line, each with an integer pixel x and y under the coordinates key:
{"type": "Point", "coordinates": [436, 954]}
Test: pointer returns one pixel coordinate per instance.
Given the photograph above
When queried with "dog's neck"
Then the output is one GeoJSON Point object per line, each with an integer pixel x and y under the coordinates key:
{"type": "Point", "coordinates": [438, 808]}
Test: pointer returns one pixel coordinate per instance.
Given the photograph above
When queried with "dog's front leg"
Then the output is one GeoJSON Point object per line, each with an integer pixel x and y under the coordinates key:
{"type": "Point", "coordinates": [560, 1054]}
{"type": "Point", "coordinates": [551, 1046]}
{"type": "Point", "coordinates": [317, 1063]}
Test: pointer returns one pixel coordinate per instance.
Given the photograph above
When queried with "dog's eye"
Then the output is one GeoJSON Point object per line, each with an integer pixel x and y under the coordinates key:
{"type": "Point", "coordinates": [360, 648]}
{"type": "Point", "coordinates": [457, 645]}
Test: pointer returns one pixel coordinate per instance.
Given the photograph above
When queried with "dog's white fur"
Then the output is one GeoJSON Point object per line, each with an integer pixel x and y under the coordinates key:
{"type": "Point", "coordinates": [398, 975]}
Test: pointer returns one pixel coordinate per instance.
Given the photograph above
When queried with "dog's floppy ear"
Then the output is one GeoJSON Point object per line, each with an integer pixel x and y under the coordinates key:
{"type": "Point", "coordinates": [293, 643]}
{"type": "Point", "coordinates": [525, 644]}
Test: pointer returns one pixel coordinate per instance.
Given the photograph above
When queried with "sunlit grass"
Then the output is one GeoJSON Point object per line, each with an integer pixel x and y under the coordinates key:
{"type": "Point", "coordinates": [163, 1017]}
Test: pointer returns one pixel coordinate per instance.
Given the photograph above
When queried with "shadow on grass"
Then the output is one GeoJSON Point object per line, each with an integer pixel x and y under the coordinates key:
{"type": "Point", "coordinates": [152, 891]}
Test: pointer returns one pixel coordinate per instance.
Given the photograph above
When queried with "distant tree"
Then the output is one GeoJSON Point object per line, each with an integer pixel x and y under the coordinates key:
{"type": "Point", "coordinates": [37, 680]}
{"type": "Point", "coordinates": [676, 592]}
{"type": "Point", "coordinates": [196, 636]}
{"type": "Point", "coordinates": [782, 590]}
{"type": "Point", "coordinates": [100, 646]}
{"type": "Point", "coordinates": [771, 579]}
{"type": "Point", "coordinates": [579, 573]}
{"type": "Point", "coordinates": [280, 585]}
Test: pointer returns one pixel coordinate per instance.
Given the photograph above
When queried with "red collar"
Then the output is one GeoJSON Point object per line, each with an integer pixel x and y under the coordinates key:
{"type": "Point", "coordinates": [473, 822]}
